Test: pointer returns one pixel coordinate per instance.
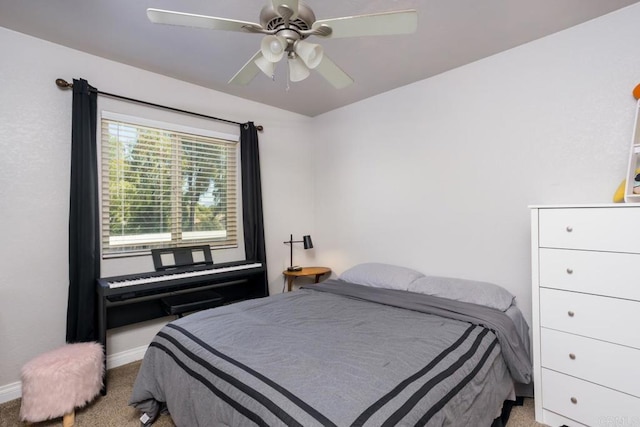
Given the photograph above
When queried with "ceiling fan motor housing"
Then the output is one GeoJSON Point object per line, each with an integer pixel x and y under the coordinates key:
{"type": "Point", "coordinates": [272, 20]}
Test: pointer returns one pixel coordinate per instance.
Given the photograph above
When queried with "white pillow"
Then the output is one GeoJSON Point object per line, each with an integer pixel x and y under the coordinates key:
{"type": "Point", "coordinates": [471, 291]}
{"type": "Point", "coordinates": [380, 275]}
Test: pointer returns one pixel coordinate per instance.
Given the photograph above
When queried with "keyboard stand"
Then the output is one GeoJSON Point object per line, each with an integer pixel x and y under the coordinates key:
{"type": "Point", "coordinates": [178, 305]}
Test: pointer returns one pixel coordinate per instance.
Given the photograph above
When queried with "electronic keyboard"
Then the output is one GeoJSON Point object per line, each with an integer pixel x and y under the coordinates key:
{"type": "Point", "coordinates": [167, 276]}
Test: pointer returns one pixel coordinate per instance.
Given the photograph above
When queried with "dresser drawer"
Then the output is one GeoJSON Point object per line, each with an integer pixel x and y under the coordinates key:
{"type": "Point", "coordinates": [600, 362]}
{"type": "Point", "coordinates": [586, 402]}
{"type": "Point", "coordinates": [604, 318]}
{"type": "Point", "coordinates": [601, 229]}
{"type": "Point", "coordinates": [602, 273]}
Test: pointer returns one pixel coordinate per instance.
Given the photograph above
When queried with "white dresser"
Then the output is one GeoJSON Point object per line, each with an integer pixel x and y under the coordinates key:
{"type": "Point", "coordinates": [586, 314]}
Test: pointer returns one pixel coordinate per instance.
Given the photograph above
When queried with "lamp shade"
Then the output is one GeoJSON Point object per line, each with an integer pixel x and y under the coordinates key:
{"type": "Point", "coordinates": [273, 48]}
{"type": "Point", "coordinates": [297, 70]}
{"type": "Point", "coordinates": [267, 67]}
{"type": "Point", "coordinates": [310, 53]}
{"type": "Point", "coordinates": [306, 241]}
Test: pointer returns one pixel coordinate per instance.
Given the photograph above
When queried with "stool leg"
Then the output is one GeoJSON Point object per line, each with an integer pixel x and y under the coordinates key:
{"type": "Point", "coordinates": [69, 419]}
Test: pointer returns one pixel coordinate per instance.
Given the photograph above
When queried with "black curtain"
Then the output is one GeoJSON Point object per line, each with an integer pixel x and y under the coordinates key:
{"type": "Point", "coordinates": [84, 237]}
{"type": "Point", "coordinates": [254, 246]}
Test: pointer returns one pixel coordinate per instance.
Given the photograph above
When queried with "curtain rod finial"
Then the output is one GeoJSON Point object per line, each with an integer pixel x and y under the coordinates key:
{"type": "Point", "coordinates": [259, 128]}
{"type": "Point", "coordinates": [62, 83]}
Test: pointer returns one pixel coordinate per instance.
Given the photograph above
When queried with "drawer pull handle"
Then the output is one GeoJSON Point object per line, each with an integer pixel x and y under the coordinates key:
{"type": "Point", "coordinates": [572, 356]}
{"type": "Point", "coordinates": [574, 400]}
{"type": "Point", "coordinates": [569, 229]}
{"type": "Point", "coordinates": [571, 313]}
{"type": "Point", "coordinates": [569, 270]}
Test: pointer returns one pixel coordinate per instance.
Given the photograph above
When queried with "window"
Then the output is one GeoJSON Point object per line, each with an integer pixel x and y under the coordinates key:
{"type": "Point", "coordinates": [164, 186]}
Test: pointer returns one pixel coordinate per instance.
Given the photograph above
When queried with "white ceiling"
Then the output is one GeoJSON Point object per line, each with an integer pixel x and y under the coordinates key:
{"type": "Point", "coordinates": [450, 33]}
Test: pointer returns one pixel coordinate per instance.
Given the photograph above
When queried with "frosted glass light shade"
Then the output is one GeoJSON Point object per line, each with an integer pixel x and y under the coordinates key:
{"type": "Point", "coordinates": [297, 70]}
{"type": "Point", "coordinates": [273, 48]}
{"type": "Point", "coordinates": [267, 67]}
{"type": "Point", "coordinates": [310, 53]}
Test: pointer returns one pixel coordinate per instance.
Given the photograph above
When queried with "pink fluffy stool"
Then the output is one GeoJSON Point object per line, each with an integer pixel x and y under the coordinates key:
{"type": "Point", "coordinates": [57, 382]}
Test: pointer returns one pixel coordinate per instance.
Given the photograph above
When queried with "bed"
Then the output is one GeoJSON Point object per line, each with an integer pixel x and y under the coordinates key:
{"type": "Point", "coordinates": [380, 346]}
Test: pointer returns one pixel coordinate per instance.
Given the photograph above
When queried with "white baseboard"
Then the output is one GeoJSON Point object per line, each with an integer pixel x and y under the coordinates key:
{"type": "Point", "coordinates": [13, 391]}
{"type": "Point", "coordinates": [127, 356]}
{"type": "Point", "coordinates": [10, 392]}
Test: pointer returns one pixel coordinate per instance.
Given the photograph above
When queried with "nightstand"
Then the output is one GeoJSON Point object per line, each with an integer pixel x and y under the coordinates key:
{"type": "Point", "coordinates": [305, 272]}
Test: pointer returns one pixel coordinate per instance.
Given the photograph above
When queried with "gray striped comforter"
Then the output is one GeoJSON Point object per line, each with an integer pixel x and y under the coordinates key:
{"type": "Point", "coordinates": [334, 354]}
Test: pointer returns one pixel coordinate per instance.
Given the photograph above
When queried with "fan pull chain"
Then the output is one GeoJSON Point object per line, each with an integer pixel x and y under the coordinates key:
{"type": "Point", "coordinates": [288, 77]}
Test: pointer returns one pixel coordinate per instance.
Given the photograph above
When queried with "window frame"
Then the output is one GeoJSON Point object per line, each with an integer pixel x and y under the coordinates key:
{"type": "Point", "coordinates": [169, 126]}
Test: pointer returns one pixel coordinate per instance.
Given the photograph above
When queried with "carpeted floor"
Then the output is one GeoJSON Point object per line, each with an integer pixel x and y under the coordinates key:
{"type": "Point", "coordinates": [112, 410]}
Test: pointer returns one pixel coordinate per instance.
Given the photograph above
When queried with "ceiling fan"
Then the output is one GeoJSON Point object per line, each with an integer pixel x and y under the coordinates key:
{"type": "Point", "coordinates": [286, 24]}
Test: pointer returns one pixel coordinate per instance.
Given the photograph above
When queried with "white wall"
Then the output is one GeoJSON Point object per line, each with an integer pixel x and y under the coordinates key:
{"type": "Point", "coordinates": [438, 175]}
{"type": "Point", "coordinates": [35, 142]}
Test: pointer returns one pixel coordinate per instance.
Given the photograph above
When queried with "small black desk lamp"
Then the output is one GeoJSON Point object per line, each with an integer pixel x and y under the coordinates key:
{"type": "Point", "coordinates": [308, 244]}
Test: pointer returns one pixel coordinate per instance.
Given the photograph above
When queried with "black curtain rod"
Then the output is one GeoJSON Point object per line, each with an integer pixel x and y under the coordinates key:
{"type": "Point", "coordinates": [62, 83]}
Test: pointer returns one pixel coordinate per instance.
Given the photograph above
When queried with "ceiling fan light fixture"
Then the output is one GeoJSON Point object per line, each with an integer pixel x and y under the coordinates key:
{"type": "Point", "coordinates": [273, 48]}
{"type": "Point", "coordinates": [297, 70]}
{"type": "Point", "coordinates": [266, 66]}
{"type": "Point", "coordinates": [285, 24]}
{"type": "Point", "coordinates": [310, 53]}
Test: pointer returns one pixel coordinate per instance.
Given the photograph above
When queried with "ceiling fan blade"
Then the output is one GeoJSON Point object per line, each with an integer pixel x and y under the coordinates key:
{"type": "Point", "coordinates": [333, 74]}
{"type": "Point", "coordinates": [169, 17]}
{"type": "Point", "coordinates": [247, 72]}
{"type": "Point", "coordinates": [376, 24]}
{"type": "Point", "coordinates": [292, 5]}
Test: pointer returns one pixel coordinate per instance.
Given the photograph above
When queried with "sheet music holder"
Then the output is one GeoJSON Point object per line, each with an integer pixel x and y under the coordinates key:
{"type": "Point", "coordinates": [190, 256]}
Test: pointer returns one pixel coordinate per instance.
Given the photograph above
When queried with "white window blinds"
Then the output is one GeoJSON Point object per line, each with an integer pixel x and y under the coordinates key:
{"type": "Point", "coordinates": [166, 188]}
